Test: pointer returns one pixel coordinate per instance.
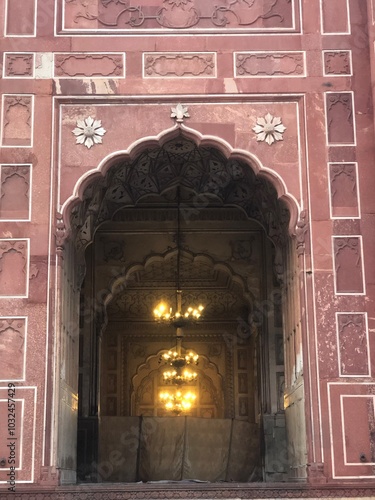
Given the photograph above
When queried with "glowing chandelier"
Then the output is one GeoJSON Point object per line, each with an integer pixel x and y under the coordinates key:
{"type": "Point", "coordinates": [178, 359]}
{"type": "Point", "coordinates": [178, 402]}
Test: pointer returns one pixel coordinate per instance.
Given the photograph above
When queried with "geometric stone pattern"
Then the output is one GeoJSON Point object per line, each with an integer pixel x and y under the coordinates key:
{"type": "Point", "coordinates": [353, 345]}
{"type": "Point", "coordinates": [171, 64]}
{"type": "Point", "coordinates": [18, 65]}
{"type": "Point", "coordinates": [268, 64]}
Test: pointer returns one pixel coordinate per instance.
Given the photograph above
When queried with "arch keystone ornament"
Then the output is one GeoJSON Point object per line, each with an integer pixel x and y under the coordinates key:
{"type": "Point", "coordinates": [179, 113]}
{"type": "Point", "coordinates": [269, 129]}
{"type": "Point", "coordinates": [89, 132]}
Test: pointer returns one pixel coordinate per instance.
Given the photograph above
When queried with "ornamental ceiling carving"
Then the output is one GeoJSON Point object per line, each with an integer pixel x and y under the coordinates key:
{"type": "Point", "coordinates": [205, 177]}
{"type": "Point", "coordinates": [179, 14]}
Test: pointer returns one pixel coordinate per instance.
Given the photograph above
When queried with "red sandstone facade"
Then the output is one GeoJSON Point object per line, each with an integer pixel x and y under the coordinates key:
{"type": "Point", "coordinates": [279, 89]}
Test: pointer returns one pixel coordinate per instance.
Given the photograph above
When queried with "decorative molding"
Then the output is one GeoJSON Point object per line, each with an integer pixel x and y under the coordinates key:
{"type": "Point", "coordinates": [60, 233]}
{"type": "Point", "coordinates": [269, 64]}
{"type": "Point", "coordinates": [89, 132]}
{"type": "Point", "coordinates": [269, 129]}
{"type": "Point", "coordinates": [178, 15]}
{"type": "Point", "coordinates": [301, 230]}
{"type": "Point", "coordinates": [179, 65]}
{"type": "Point", "coordinates": [86, 65]}
{"type": "Point", "coordinates": [18, 65]}
{"type": "Point", "coordinates": [183, 492]}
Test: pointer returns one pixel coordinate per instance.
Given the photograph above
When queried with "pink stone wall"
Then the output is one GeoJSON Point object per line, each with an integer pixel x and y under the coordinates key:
{"type": "Point", "coordinates": [127, 64]}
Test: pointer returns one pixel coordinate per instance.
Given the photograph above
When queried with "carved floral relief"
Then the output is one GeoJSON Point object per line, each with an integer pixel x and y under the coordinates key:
{"type": "Point", "coordinates": [89, 132]}
{"type": "Point", "coordinates": [180, 14]}
{"type": "Point", "coordinates": [269, 129]}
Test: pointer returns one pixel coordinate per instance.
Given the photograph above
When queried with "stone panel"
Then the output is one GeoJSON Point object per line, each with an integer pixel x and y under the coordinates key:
{"type": "Point", "coordinates": [20, 18]}
{"type": "Point", "coordinates": [176, 15]}
{"type": "Point", "coordinates": [15, 182]}
{"type": "Point", "coordinates": [17, 120]}
{"type": "Point", "coordinates": [23, 431]}
{"type": "Point", "coordinates": [353, 344]}
{"type": "Point", "coordinates": [18, 65]}
{"type": "Point", "coordinates": [70, 65]}
{"type": "Point", "coordinates": [337, 62]}
{"type": "Point", "coordinates": [180, 64]}
{"type": "Point", "coordinates": [343, 190]}
{"type": "Point", "coordinates": [13, 268]}
{"type": "Point", "coordinates": [352, 428]}
{"type": "Point", "coordinates": [335, 16]}
{"type": "Point", "coordinates": [348, 265]}
{"type": "Point", "coordinates": [340, 121]}
{"type": "Point", "coordinates": [12, 348]}
{"type": "Point", "coordinates": [269, 64]}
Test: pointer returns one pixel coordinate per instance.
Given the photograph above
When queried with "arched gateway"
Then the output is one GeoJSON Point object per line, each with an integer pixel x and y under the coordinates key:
{"type": "Point", "coordinates": [186, 204]}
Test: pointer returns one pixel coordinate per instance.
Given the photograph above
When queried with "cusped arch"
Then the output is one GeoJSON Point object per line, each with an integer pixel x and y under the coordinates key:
{"type": "Point", "coordinates": [208, 372]}
{"type": "Point", "coordinates": [201, 263]}
{"type": "Point", "coordinates": [84, 188]}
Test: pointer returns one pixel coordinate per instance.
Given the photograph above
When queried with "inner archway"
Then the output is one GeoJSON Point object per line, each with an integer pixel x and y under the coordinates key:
{"type": "Point", "coordinates": [237, 259]}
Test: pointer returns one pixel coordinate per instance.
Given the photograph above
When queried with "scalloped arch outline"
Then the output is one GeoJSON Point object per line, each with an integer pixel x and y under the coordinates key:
{"type": "Point", "coordinates": [114, 286]}
{"type": "Point", "coordinates": [199, 139]}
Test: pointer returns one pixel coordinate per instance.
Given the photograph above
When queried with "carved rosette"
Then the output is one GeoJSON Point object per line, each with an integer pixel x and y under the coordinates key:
{"type": "Point", "coordinates": [89, 132]}
{"type": "Point", "coordinates": [269, 129]}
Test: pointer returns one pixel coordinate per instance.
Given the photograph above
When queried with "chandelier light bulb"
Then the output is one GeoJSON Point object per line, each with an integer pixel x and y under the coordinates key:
{"type": "Point", "coordinates": [178, 402]}
{"type": "Point", "coordinates": [164, 313]}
